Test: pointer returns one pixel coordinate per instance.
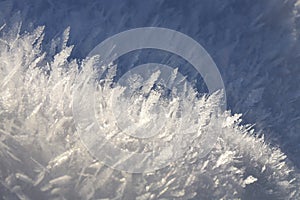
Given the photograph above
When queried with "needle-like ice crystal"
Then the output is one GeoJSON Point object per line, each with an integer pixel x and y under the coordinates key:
{"type": "Point", "coordinates": [42, 156]}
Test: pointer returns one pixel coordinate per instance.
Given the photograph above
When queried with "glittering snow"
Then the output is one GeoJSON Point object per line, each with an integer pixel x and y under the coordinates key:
{"type": "Point", "coordinates": [255, 44]}
{"type": "Point", "coordinates": [42, 156]}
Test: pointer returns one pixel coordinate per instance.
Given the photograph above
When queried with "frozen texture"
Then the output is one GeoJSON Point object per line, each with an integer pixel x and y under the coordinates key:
{"type": "Point", "coordinates": [255, 44]}
{"type": "Point", "coordinates": [42, 156]}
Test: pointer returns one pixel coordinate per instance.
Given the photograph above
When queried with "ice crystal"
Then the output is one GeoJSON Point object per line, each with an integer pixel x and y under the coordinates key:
{"type": "Point", "coordinates": [42, 156]}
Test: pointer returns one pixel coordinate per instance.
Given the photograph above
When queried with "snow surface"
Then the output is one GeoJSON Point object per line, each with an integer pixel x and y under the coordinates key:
{"type": "Point", "coordinates": [255, 46]}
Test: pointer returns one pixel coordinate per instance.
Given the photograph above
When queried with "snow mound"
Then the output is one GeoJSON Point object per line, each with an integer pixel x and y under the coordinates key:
{"type": "Point", "coordinates": [42, 156]}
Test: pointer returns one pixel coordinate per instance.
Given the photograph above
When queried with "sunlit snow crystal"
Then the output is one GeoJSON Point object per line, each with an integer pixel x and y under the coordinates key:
{"type": "Point", "coordinates": [42, 156]}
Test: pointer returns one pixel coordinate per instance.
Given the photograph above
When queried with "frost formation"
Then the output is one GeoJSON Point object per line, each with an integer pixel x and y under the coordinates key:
{"type": "Point", "coordinates": [42, 157]}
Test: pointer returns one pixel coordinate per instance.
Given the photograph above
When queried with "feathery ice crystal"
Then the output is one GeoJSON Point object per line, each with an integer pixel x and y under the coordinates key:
{"type": "Point", "coordinates": [42, 156]}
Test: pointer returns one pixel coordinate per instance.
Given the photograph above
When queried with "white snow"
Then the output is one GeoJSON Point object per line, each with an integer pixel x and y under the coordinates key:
{"type": "Point", "coordinates": [57, 163]}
